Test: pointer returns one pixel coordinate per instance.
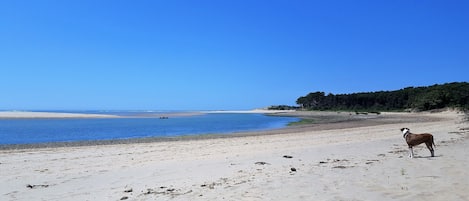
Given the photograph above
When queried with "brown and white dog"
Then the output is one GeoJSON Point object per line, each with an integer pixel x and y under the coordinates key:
{"type": "Point", "coordinates": [416, 139]}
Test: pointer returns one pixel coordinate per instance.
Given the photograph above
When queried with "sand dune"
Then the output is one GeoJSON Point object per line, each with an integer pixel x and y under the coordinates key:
{"type": "Point", "coordinates": [368, 162]}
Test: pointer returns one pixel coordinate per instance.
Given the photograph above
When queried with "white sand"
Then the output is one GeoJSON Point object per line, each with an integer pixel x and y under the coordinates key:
{"type": "Point", "coordinates": [365, 163]}
{"type": "Point", "coordinates": [19, 114]}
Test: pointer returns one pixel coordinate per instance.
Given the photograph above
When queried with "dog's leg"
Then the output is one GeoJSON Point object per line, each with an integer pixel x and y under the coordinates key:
{"type": "Point", "coordinates": [411, 152]}
{"type": "Point", "coordinates": [429, 146]}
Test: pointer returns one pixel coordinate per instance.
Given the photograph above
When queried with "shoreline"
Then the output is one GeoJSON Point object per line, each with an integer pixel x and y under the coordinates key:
{"type": "Point", "coordinates": [364, 159]}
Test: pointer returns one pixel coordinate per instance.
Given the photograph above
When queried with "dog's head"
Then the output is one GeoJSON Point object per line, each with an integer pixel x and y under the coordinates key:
{"type": "Point", "coordinates": [405, 130]}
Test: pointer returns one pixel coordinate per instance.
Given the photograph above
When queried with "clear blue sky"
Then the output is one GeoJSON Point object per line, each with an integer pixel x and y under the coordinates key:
{"type": "Point", "coordinates": [228, 54]}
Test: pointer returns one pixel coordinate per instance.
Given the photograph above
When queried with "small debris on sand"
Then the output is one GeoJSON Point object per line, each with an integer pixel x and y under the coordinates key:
{"type": "Point", "coordinates": [342, 167]}
{"type": "Point", "coordinates": [128, 190]}
{"type": "Point", "coordinates": [37, 186]}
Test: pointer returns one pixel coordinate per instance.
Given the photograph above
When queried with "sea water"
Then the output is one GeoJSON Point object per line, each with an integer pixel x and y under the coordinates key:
{"type": "Point", "coordinates": [30, 131]}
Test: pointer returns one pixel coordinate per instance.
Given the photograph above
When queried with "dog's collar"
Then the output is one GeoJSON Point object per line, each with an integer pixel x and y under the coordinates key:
{"type": "Point", "coordinates": [407, 131]}
{"type": "Point", "coordinates": [405, 134]}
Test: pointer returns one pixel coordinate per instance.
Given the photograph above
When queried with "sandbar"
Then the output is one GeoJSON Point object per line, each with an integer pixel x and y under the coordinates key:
{"type": "Point", "coordinates": [32, 115]}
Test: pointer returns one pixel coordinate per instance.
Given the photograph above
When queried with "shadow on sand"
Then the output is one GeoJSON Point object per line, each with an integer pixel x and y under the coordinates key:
{"type": "Point", "coordinates": [429, 157]}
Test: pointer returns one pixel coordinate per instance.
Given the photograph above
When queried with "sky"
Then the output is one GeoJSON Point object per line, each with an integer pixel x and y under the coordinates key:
{"type": "Point", "coordinates": [222, 55]}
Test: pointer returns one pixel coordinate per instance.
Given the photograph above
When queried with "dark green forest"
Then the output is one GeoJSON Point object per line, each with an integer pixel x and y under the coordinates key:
{"type": "Point", "coordinates": [452, 95]}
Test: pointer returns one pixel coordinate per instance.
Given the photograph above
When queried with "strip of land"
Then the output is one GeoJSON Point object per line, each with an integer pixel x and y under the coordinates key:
{"type": "Point", "coordinates": [340, 156]}
{"type": "Point", "coordinates": [32, 115]}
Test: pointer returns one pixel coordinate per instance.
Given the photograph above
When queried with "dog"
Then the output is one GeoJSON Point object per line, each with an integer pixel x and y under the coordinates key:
{"type": "Point", "coordinates": [416, 139]}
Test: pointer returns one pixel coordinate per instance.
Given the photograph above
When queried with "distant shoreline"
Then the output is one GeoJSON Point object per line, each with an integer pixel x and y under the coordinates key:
{"type": "Point", "coordinates": [45, 115]}
{"type": "Point", "coordinates": [142, 114]}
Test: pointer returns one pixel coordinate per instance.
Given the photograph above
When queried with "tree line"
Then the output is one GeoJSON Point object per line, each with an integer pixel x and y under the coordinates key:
{"type": "Point", "coordinates": [454, 95]}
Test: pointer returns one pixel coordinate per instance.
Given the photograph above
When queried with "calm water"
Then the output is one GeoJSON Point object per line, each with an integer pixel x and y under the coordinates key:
{"type": "Point", "coordinates": [26, 131]}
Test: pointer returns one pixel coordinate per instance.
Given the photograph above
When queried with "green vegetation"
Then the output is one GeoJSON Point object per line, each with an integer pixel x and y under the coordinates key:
{"type": "Point", "coordinates": [453, 95]}
{"type": "Point", "coordinates": [282, 107]}
{"type": "Point", "coordinates": [302, 122]}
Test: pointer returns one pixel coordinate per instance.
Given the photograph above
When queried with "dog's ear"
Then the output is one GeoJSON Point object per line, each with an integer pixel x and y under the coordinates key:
{"type": "Point", "coordinates": [402, 129]}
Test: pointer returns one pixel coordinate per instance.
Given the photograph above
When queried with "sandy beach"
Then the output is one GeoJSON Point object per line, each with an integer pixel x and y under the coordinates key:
{"type": "Point", "coordinates": [363, 158]}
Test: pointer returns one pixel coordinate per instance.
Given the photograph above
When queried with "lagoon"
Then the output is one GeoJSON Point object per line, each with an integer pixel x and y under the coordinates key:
{"type": "Point", "coordinates": [44, 130]}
